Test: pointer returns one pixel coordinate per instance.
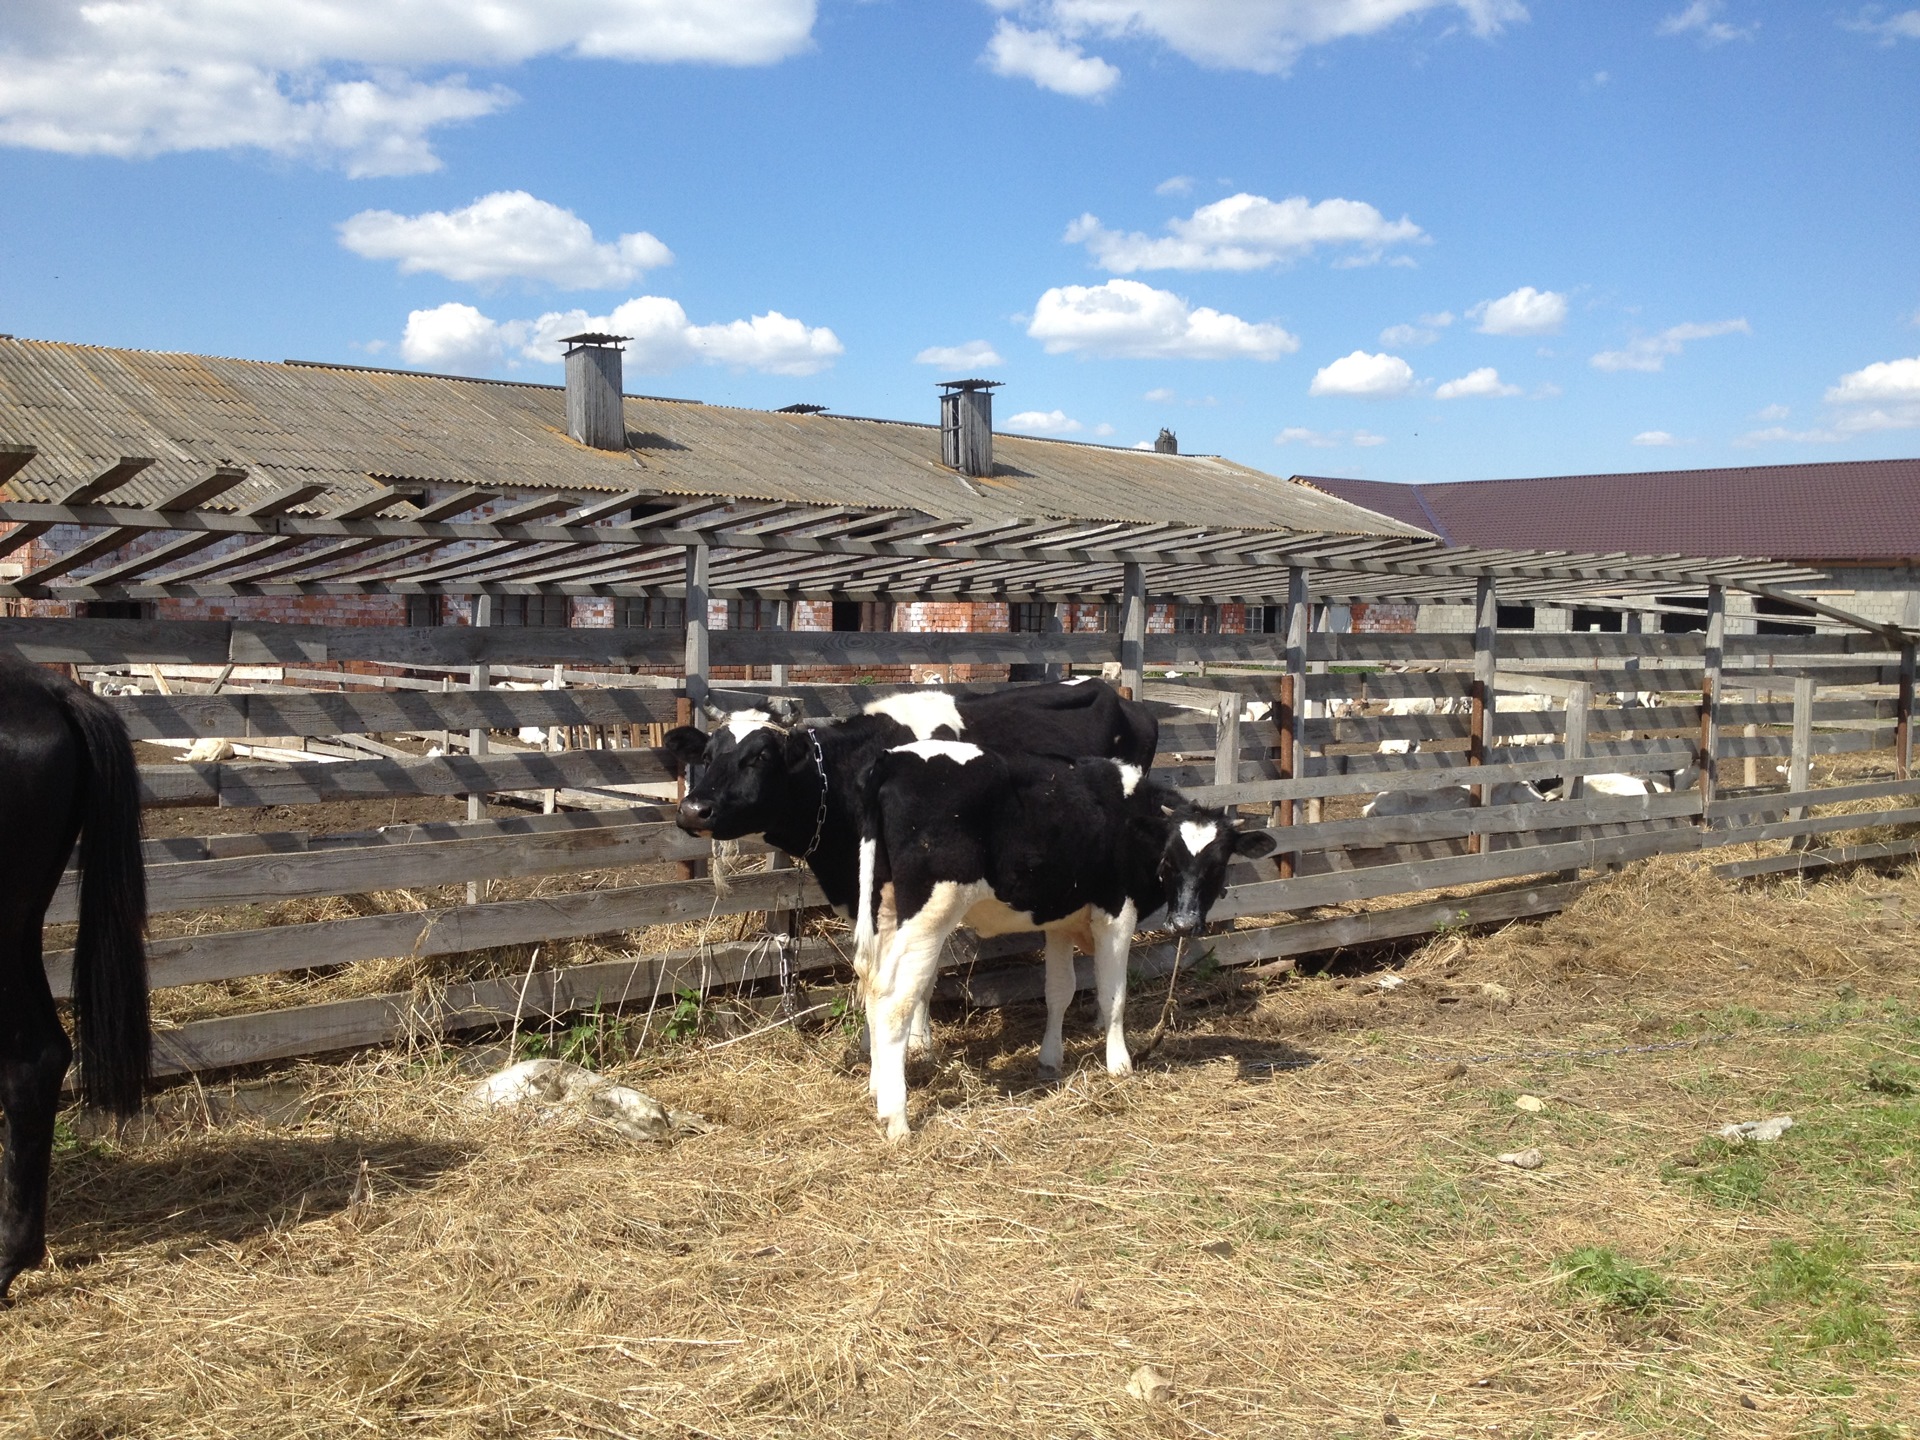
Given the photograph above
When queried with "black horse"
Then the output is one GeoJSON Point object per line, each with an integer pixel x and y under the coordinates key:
{"type": "Point", "coordinates": [66, 771]}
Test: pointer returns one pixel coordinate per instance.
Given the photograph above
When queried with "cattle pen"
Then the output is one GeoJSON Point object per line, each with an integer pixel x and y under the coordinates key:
{"type": "Point", "coordinates": [1287, 723]}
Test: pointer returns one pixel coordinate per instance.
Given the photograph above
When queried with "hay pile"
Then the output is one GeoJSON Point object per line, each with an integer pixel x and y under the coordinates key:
{"type": "Point", "coordinates": [1302, 1251]}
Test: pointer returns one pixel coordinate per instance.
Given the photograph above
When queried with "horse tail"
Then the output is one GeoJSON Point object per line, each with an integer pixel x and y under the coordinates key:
{"type": "Point", "coordinates": [109, 958]}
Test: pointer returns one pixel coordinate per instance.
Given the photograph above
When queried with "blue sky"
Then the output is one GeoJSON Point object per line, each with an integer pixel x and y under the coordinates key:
{"type": "Point", "coordinates": [1404, 239]}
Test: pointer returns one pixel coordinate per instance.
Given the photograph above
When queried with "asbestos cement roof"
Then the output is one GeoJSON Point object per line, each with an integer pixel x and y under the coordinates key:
{"type": "Point", "coordinates": [358, 429]}
{"type": "Point", "coordinates": [1847, 511]}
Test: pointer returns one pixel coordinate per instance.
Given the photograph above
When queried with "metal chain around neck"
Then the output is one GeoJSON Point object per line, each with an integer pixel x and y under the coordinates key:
{"type": "Point", "coordinates": [820, 816]}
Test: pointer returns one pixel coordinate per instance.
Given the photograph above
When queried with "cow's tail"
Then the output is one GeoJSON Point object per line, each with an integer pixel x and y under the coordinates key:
{"type": "Point", "coordinates": [109, 957]}
{"type": "Point", "coordinates": [873, 868]}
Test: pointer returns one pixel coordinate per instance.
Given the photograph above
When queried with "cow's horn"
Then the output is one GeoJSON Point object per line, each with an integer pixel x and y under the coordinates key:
{"type": "Point", "coordinates": [713, 712]}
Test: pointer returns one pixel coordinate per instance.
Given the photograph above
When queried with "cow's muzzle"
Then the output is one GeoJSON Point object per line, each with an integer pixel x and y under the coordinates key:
{"type": "Point", "coordinates": [695, 816]}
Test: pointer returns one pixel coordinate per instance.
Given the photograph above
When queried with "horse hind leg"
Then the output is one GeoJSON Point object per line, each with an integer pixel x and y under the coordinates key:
{"type": "Point", "coordinates": [34, 1055]}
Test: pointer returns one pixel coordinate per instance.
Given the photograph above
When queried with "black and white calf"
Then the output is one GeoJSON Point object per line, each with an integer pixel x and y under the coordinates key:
{"type": "Point", "coordinates": [1001, 842]}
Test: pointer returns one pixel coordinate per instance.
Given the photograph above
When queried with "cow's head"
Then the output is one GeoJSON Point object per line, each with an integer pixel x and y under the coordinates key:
{"type": "Point", "coordinates": [736, 776]}
{"type": "Point", "coordinates": [1200, 845]}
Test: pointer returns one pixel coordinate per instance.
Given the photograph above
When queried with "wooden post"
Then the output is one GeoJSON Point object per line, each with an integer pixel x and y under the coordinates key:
{"type": "Point", "coordinates": [698, 557]}
{"type": "Point", "coordinates": [477, 739]}
{"type": "Point", "coordinates": [1133, 630]}
{"type": "Point", "coordinates": [1709, 758]}
{"type": "Point", "coordinates": [1226, 740]}
{"type": "Point", "coordinates": [1800, 762]}
{"type": "Point", "coordinates": [1484, 708]}
{"type": "Point", "coordinates": [1291, 712]}
{"type": "Point", "coordinates": [783, 618]}
{"type": "Point", "coordinates": [1903, 717]}
{"type": "Point", "coordinates": [1750, 769]}
{"type": "Point", "coordinates": [1579, 702]}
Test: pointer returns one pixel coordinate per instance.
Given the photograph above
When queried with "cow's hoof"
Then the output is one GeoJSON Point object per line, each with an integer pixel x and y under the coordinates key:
{"type": "Point", "coordinates": [896, 1129]}
{"type": "Point", "coordinates": [1051, 1062]}
{"type": "Point", "coordinates": [1120, 1067]}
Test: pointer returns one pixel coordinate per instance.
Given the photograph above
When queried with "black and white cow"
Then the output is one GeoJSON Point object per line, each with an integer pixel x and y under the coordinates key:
{"type": "Point", "coordinates": [1001, 842]}
{"type": "Point", "coordinates": [797, 786]}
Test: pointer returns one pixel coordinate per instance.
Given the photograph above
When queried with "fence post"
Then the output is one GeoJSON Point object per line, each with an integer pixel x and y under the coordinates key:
{"type": "Point", "coordinates": [1709, 756]}
{"type": "Point", "coordinates": [1290, 713]}
{"type": "Point", "coordinates": [696, 666]}
{"type": "Point", "coordinates": [477, 739]}
{"type": "Point", "coordinates": [783, 620]}
{"type": "Point", "coordinates": [1800, 762]}
{"type": "Point", "coordinates": [1133, 630]}
{"type": "Point", "coordinates": [1226, 740]}
{"type": "Point", "coordinates": [1903, 717]}
{"type": "Point", "coordinates": [1579, 702]}
{"type": "Point", "coordinates": [1484, 710]}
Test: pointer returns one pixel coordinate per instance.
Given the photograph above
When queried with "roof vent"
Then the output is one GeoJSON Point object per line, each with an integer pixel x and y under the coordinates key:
{"type": "Point", "coordinates": [1168, 443]}
{"type": "Point", "coordinates": [966, 425]}
{"type": "Point", "coordinates": [595, 415]}
{"type": "Point", "coordinates": [802, 409]}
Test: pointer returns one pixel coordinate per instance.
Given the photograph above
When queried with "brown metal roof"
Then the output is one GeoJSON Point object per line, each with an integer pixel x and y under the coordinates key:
{"type": "Point", "coordinates": [83, 407]}
{"type": "Point", "coordinates": [1838, 511]}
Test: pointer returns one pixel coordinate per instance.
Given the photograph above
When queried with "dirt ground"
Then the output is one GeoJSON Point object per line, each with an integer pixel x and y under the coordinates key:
{"type": "Point", "coordinates": [1295, 1212]}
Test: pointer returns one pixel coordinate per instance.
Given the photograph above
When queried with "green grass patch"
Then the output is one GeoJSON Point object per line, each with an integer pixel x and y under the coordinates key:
{"type": "Point", "coordinates": [1596, 1272]}
{"type": "Point", "coordinates": [1834, 1309]}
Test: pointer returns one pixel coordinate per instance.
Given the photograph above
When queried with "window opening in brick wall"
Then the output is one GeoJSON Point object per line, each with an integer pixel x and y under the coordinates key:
{"type": "Point", "coordinates": [552, 612]}
{"type": "Point", "coordinates": [117, 609]}
{"type": "Point", "coordinates": [1514, 617]}
{"type": "Point", "coordinates": [1607, 622]}
{"type": "Point", "coordinates": [1028, 617]}
{"type": "Point", "coordinates": [1195, 619]}
{"type": "Point", "coordinates": [426, 610]}
{"type": "Point", "coordinates": [1762, 605]}
{"type": "Point", "coordinates": [863, 615]}
{"type": "Point", "coordinates": [650, 612]}
{"type": "Point", "coordinates": [753, 614]}
{"type": "Point", "coordinates": [1266, 619]}
{"type": "Point", "coordinates": [1683, 624]}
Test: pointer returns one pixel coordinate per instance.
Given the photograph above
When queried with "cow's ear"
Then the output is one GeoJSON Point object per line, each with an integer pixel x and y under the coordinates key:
{"type": "Point", "coordinates": [1252, 844]}
{"type": "Point", "coordinates": [681, 747]}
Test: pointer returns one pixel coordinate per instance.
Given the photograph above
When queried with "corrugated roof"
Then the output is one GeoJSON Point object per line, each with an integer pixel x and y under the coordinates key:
{"type": "Point", "coordinates": [85, 406]}
{"type": "Point", "coordinates": [1846, 510]}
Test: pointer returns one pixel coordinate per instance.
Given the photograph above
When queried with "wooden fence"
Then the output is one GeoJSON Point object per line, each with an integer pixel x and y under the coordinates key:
{"type": "Point", "coordinates": [1295, 743]}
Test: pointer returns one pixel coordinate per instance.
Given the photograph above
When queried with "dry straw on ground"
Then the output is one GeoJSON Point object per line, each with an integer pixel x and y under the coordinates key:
{"type": "Point", "coordinates": [1299, 1251]}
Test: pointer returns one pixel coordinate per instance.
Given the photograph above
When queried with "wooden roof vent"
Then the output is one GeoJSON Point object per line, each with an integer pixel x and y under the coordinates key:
{"type": "Point", "coordinates": [595, 415]}
{"type": "Point", "coordinates": [966, 425]}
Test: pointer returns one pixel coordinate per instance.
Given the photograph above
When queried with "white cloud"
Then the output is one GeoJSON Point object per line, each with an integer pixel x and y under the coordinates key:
{"type": "Point", "coordinates": [1890, 31]}
{"type": "Point", "coordinates": [1301, 435]}
{"type": "Point", "coordinates": [358, 84]}
{"type": "Point", "coordinates": [1881, 396]}
{"type": "Point", "coordinates": [1366, 439]}
{"type": "Point", "coordinates": [508, 235]}
{"type": "Point", "coordinates": [1246, 232]}
{"type": "Point", "coordinates": [1126, 319]}
{"type": "Point", "coordinates": [1701, 17]}
{"type": "Point", "coordinates": [1049, 60]}
{"type": "Point", "coordinates": [1260, 35]}
{"type": "Point", "coordinates": [1044, 422]}
{"type": "Point", "coordinates": [1525, 311]}
{"type": "Point", "coordinates": [1484, 382]}
{"type": "Point", "coordinates": [1778, 435]}
{"type": "Point", "coordinates": [1654, 437]}
{"type": "Point", "coordinates": [1158, 394]}
{"type": "Point", "coordinates": [1397, 337]}
{"type": "Point", "coordinates": [1650, 352]}
{"type": "Point", "coordinates": [974, 355]}
{"type": "Point", "coordinates": [459, 337]}
{"type": "Point", "coordinates": [1175, 185]}
{"type": "Point", "coordinates": [1103, 429]}
{"type": "Point", "coordinates": [1772, 412]}
{"type": "Point", "coordinates": [1371, 377]}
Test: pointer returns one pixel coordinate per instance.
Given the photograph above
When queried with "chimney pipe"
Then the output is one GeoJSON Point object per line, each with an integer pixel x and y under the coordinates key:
{"type": "Point", "coordinates": [1168, 443]}
{"type": "Point", "coordinates": [595, 415]}
{"type": "Point", "coordinates": [966, 425]}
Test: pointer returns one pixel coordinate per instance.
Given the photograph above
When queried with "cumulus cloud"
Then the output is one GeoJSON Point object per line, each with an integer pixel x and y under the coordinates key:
{"type": "Point", "coordinates": [1050, 60]}
{"type": "Point", "coordinates": [1702, 18]}
{"type": "Point", "coordinates": [1475, 384]}
{"type": "Point", "coordinates": [1397, 337]}
{"type": "Point", "coordinates": [974, 355]}
{"type": "Point", "coordinates": [1780, 435]}
{"type": "Point", "coordinates": [1370, 377]}
{"type": "Point", "coordinates": [1654, 437]}
{"type": "Point", "coordinates": [1328, 439]}
{"type": "Point", "coordinates": [357, 84]}
{"type": "Point", "coordinates": [1158, 394]}
{"type": "Point", "coordinates": [1650, 352]}
{"type": "Point", "coordinates": [1882, 396]}
{"type": "Point", "coordinates": [1127, 319]}
{"type": "Point", "coordinates": [1175, 185]}
{"type": "Point", "coordinates": [508, 235]}
{"type": "Point", "coordinates": [1244, 35]}
{"type": "Point", "coordinates": [1044, 422]}
{"type": "Point", "coordinates": [1772, 412]}
{"type": "Point", "coordinates": [1247, 232]}
{"type": "Point", "coordinates": [461, 338]}
{"type": "Point", "coordinates": [1525, 311]}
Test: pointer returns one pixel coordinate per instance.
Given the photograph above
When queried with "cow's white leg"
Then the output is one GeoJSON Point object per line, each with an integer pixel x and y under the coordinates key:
{"type": "Point", "coordinates": [920, 1028]}
{"type": "Point", "coordinates": [1059, 996]}
{"type": "Point", "coordinates": [900, 985]}
{"type": "Point", "coordinates": [1112, 944]}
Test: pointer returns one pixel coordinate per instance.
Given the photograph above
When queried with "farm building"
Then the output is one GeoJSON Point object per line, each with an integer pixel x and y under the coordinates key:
{"type": "Point", "coordinates": [1855, 522]}
{"type": "Point", "coordinates": [358, 442]}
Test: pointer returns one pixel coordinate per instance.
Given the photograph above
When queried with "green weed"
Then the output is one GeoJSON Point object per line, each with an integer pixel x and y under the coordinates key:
{"type": "Point", "coordinates": [1596, 1272]}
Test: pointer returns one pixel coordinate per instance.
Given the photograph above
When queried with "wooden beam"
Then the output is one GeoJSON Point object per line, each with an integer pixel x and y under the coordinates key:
{"type": "Point", "coordinates": [696, 664]}
{"type": "Point", "coordinates": [1133, 630]}
{"type": "Point", "coordinates": [1709, 757]}
{"type": "Point", "coordinates": [1485, 663]}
